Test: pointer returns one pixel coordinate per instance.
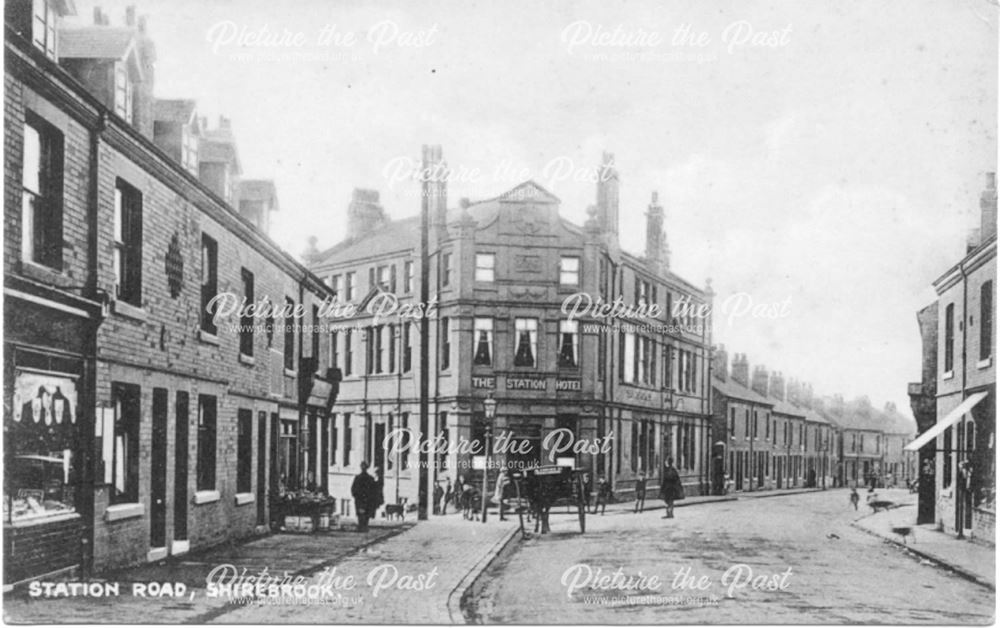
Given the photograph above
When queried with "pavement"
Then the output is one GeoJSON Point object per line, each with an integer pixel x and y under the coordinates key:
{"type": "Point", "coordinates": [969, 559]}
{"type": "Point", "coordinates": [394, 573]}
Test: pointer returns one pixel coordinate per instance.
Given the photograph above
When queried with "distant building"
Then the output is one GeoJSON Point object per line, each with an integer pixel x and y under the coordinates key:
{"type": "Point", "coordinates": [923, 402]}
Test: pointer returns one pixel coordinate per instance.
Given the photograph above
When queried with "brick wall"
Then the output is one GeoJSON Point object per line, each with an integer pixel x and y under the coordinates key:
{"type": "Point", "coordinates": [39, 549]}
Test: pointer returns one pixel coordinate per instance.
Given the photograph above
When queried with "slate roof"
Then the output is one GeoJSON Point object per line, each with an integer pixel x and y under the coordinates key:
{"type": "Point", "coordinates": [174, 110]}
{"type": "Point", "coordinates": [735, 390]}
{"type": "Point", "coordinates": [95, 42]}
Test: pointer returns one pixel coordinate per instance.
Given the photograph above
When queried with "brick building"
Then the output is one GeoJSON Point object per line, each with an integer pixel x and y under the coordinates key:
{"type": "Point", "coordinates": [500, 271]}
{"type": "Point", "coordinates": [923, 403]}
{"type": "Point", "coordinates": [963, 436]}
{"type": "Point", "coordinates": [137, 425]}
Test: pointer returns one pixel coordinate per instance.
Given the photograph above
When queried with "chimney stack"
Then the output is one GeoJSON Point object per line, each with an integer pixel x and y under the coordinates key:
{"type": "Point", "coordinates": [988, 206]}
{"type": "Point", "coordinates": [656, 240]}
{"type": "Point", "coordinates": [720, 362]}
{"type": "Point", "coordinates": [792, 393]}
{"type": "Point", "coordinates": [760, 380]}
{"type": "Point", "coordinates": [130, 16]}
{"type": "Point", "coordinates": [364, 214]}
{"type": "Point", "coordinates": [144, 98]}
{"type": "Point", "coordinates": [100, 18]}
{"type": "Point", "coordinates": [435, 171]}
{"type": "Point", "coordinates": [777, 385]}
{"type": "Point", "coordinates": [741, 369]}
{"type": "Point", "coordinates": [607, 195]}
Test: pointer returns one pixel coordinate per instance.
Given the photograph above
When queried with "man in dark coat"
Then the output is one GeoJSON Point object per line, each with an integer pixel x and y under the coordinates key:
{"type": "Point", "coordinates": [671, 488]}
{"type": "Point", "coordinates": [363, 490]}
{"type": "Point", "coordinates": [640, 492]}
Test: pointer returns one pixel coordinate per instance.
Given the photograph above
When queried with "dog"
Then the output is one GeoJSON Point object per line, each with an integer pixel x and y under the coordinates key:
{"type": "Point", "coordinates": [397, 511]}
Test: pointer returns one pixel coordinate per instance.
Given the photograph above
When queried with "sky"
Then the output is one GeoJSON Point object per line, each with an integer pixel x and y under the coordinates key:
{"type": "Point", "coordinates": [818, 160]}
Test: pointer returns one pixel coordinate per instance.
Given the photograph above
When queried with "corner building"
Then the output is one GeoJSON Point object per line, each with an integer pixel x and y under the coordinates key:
{"type": "Point", "coordinates": [500, 271]}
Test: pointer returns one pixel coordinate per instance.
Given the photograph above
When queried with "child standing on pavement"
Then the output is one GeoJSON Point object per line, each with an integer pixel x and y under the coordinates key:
{"type": "Point", "coordinates": [855, 498]}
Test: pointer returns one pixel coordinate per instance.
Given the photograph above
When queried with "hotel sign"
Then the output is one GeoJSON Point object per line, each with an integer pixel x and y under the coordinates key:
{"type": "Point", "coordinates": [484, 382]}
{"type": "Point", "coordinates": [527, 383]}
{"type": "Point", "coordinates": [574, 385]}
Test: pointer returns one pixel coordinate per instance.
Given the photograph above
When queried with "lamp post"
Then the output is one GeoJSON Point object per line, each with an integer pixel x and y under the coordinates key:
{"type": "Point", "coordinates": [490, 410]}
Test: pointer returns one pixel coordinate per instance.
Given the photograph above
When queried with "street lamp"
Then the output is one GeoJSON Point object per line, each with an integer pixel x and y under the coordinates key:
{"type": "Point", "coordinates": [490, 410]}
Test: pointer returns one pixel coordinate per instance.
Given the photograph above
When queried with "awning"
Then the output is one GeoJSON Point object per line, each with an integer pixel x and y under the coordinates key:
{"type": "Point", "coordinates": [953, 417]}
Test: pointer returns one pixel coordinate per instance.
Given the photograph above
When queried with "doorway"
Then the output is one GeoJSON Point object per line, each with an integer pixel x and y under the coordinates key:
{"type": "Point", "coordinates": [181, 467]}
{"type": "Point", "coordinates": [262, 468]}
{"type": "Point", "coordinates": [158, 472]}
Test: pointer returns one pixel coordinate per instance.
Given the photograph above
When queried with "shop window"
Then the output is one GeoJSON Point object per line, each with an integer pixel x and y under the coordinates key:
{"type": "Point", "coordinates": [287, 454]}
{"type": "Point", "coordinates": [41, 473]}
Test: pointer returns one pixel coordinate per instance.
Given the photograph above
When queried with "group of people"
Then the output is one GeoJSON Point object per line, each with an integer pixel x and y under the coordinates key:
{"type": "Point", "coordinates": [671, 490]}
{"type": "Point", "coordinates": [367, 492]}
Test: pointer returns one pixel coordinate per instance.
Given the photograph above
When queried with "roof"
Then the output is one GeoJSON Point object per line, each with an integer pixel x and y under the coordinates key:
{"type": "Point", "coordinates": [784, 407]}
{"type": "Point", "coordinates": [258, 190]}
{"type": "Point", "coordinates": [176, 110]}
{"type": "Point", "coordinates": [216, 151]}
{"type": "Point", "coordinates": [735, 390]}
{"type": "Point", "coordinates": [96, 42]}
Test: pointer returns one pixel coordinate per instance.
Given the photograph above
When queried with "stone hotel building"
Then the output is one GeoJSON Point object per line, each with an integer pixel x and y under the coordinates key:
{"type": "Point", "coordinates": [500, 270]}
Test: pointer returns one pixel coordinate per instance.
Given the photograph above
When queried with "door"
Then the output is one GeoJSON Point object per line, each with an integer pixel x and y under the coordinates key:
{"type": "Point", "coordinates": [181, 468]}
{"type": "Point", "coordinates": [262, 468]}
{"type": "Point", "coordinates": [378, 455]}
{"type": "Point", "coordinates": [158, 471]}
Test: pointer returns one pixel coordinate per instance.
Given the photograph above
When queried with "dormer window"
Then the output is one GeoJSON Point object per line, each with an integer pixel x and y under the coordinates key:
{"type": "Point", "coordinates": [123, 93]}
{"type": "Point", "coordinates": [43, 27]}
{"type": "Point", "coordinates": [189, 151]}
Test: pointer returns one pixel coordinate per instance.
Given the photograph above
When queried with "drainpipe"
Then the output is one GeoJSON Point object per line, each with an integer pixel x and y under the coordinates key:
{"type": "Point", "coordinates": [960, 449]}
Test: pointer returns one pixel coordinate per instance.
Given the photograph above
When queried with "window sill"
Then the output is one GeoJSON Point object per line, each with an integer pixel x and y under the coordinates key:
{"type": "Point", "coordinates": [289, 373]}
{"type": "Point", "coordinates": [247, 359]}
{"type": "Point", "coordinates": [206, 497]}
{"type": "Point", "coordinates": [41, 272]}
{"type": "Point", "coordinates": [118, 512]}
{"type": "Point", "coordinates": [208, 338]}
{"type": "Point", "coordinates": [948, 375]}
{"type": "Point", "coordinates": [122, 308]}
{"type": "Point", "coordinates": [985, 363]}
{"type": "Point", "coordinates": [242, 499]}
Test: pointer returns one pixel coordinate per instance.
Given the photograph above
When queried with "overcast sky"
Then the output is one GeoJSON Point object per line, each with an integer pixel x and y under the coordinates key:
{"type": "Point", "coordinates": [827, 154]}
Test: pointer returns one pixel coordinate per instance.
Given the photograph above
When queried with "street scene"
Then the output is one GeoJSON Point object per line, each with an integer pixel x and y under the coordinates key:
{"type": "Point", "coordinates": [429, 314]}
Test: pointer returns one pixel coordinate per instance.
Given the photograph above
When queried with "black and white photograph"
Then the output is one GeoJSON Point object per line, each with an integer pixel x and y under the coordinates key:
{"type": "Point", "coordinates": [335, 312]}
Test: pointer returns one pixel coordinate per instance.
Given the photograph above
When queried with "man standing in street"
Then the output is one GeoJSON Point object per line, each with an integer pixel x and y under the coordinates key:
{"type": "Point", "coordinates": [640, 492]}
{"type": "Point", "coordinates": [363, 491]}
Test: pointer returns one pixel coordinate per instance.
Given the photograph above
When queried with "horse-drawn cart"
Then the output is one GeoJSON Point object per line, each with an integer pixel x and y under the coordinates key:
{"type": "Point", "coordinates": [539, 489]}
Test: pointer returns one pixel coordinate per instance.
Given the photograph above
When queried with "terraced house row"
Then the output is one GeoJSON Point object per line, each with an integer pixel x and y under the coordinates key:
{"type": "Point", "coordinates": [137, 425]}
{"type": "Point", "coordinates": [773, 434]}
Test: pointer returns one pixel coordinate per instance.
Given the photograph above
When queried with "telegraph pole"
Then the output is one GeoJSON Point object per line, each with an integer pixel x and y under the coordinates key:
{"type": "Point", "coordinates": [425, 273]}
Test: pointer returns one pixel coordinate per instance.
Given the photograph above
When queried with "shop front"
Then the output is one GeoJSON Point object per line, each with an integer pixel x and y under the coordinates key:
{"type": "Point", "coordinates": [47, 500]}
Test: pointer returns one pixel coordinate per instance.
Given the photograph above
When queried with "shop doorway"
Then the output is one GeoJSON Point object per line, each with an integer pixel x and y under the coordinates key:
{"type": "Point", "coordinates": [158, 471]}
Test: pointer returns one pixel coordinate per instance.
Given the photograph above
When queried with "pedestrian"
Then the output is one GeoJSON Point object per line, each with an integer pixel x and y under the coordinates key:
{"type": "Point", "coordinates": [588, 488]}
{"type": "Point", "coordinates": [448, 489]}
{"type": "Point", "coordinates": [503, 481]}
{"type": "Point", "coordinates": [640, 492]}
{"type": "Point", "coordinates": [457, 492]}
{"type": "Point", "coordinates": [363, 491]}
{"type": "Point", "coordinates": [378, 493]}
{"type": "Point", "coordinates": [671, 488]}
{"type": "Point", "coordinates": [603, 494]}
{"type": "Point", "coordinates": [438, 496]}
{"type": "Point", "coordinates": [468, 497]}
{"type": "Point", "coordinates": [855, 498]}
